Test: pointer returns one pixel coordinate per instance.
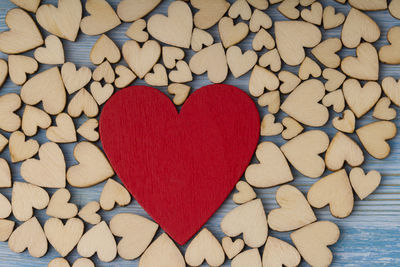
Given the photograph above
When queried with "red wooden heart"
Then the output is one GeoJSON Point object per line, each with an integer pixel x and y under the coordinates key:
{"type": "Point", "coordinates": [180, 167]}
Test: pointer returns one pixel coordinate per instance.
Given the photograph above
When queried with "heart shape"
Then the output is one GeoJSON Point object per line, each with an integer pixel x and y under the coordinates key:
{"type": "Point", "coordinates": [210, 146]}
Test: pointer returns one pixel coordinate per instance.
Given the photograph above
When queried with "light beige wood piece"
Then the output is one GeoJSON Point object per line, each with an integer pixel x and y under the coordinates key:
{"type": "Point", "coordinates": [136, 31]}
{"type": "Point", "coordinates": [29, 235]}
{"type": "Point", "coordinates": [260, 79]}
{"type": "Point", "coordinates": [64, 132]}
{"type": "Point", "coordinates": [9, 121]}
{"type": "Point", "coordinates": [334, 79]}
{"type": "Point", "coordinates": [312, 242]}
{"type": "Point", "coordinates": [163, 253]}
{"type": "Point", "coordinates": [292, 37]}
{"type": "Point", "coordinates": [20, 149]}
{"type": "Point", "coordinates": [5, 174]}
{"type": "Point", "coordinates": [59, 207]}
{"type": "Point", "coordinates": [204, 247]}
{"type": "Point", "coordinates": [306, 3]}
{"type": "Point", "coordinates": [83, 262]}
{"type": "Point", "coordinates": [288, 8]}
{"type": "Point", "coordinates": [240, 8]}
{"type": "Point", "coordinates": [309, 67]}
{"type": "Point", "coordinates": [93, 167]}
{"type": "Point", "coordinates": [101, 93]}
{"type": "Point", "coordinates": [88, 213]}
{"type": "Point", "coordinates": [5, 207]}
{"type": "Point", "coordinates": [245, 193]}
{"type": "Point", "coordinates": [211, 60]}
{"type": "Point", "coordinates": [180, 92]}
{"type": "Point", "coordinates": [83, 102]}
{"type": "Point", "coordinates": [368, 5]}
{"type": "Point", "coordinates": [272, 170]}
{"type": "Point", "coordinates": [174, 29]}
{"type": "Point", "coordinates": [23, 35]}
{"type": "Point", "coordinates": [361, 99]}
{"type": "Point", "coordinates": [248, 219]}
{"type": "Point", "coordinates": [114, 193]}
{"type": "Point", "coordinates": [394, 8]}
{"type": "Point", "coordinates": [100, 240]}
{"type": "Point", "coordinates": [231, 33]}
{"type": "Point", "coordinates": [75, 79]}
{"type": "Point", "coordinates": [88, 130]}
{"type": "Point", "coordinates": [335, 99]}
{"type": "Point", "coordinates": [58, 262]}
{"type": "Point", "coordinates": [279, 253]}
{"type": "Point", "coordinates": [182, 73]}
{"type": "Point", "coordinates": [333, 190]}
{"type": "Point", "coordinates": [269, 127]}
{"type": "Point", "coordinates": [263, 39]}
{"type": "Point", "coordinates": [272, 100]}
{"type": "Point", "coordinates": [6, 228]}
{"type": "Point", "coordinates": [34, 118]}
{"type": "Point", "coordinates": [158, 77]}
{"type": "Point", "coordinates": [3, 71]}
{"type": "Point", "coordinates": [326, 51]}
{"type": "Point", "coordinates": [314, 14]}
{"type": "Point", "coordinates": [345, 124]}
{"type": "Point", "coordinates": [52, 53]}
{"type": "Point", "coordinates": [249, 257]}
{"type": "Point", "coordinates": [136, 231]}
{"type": "Point", "coordinates": [200, 38]}
{"type": "Point", "coordinates": [210, 12]}
{"type": "Point", "coordinates": [343, 149]}
{"type": "Point", "coordinates": [302, 104]}
{"type": "Point", "coordinates": [101, 19]}
{"type": "Point", "coordinates": [46, 87]}
{"type": "Point", "coordinates": [239, 63]}
{"type": "Point", "coordinates": [374, 137]}
{"type": "Point", "coordinates": [303, 152]}
{"type": "Point", "coordinates": [363, 67]}
{"type": "Point", "coordinates": [389, 53]}
{"type": "Point", "coordinates": [130, 10]}
{"type": "Point", "coordinates": [294, 211]}
{"type": "Point", "coordinates": [141, 59]}
{"type": "Point", "coordinates": [259, 20]}
{"type": "Point", "coordinates": [259, 4]}
{"type": "Point", "coordinates": [364, 184]}
{"type": "Point", "coordinates": [170, 55]}
{"type": "Point", "coordinates": [104, 49]}
{"type": "Point", "coordinates": [292, 128]}
{"type": "Point", "coordinates": [104, 72]}
{"type": "Point", "coordinates": [31, 6]}
{"type": "Point", "coordinates": [359, 26]}
{"type": "Point", "coordinates": [19, 66]}
{"type": "Point", "coordinates": [49, 170]}
{"type": "Point", "coordinates": [232, 248]}
{"type": "Point", "coordinates": [289, 81]}
{"type": "Point", "coordinates": [125, 76]}
{"type": "Point", "coordinates": [331, 19]}
{"type": "Point", "coordinates": [63, 237]}
{"type": "Point", "coordinates": [25, 197]}
{"type": "Point", "coordinates": [391, 87]}
{"type": "Point", "coordinates": [63, 20]}
{"type": "Point", "coordinates": [271, 59]}
{"type": "Point", "coordinates": [383, 111]}
{"type": "Point", "coordinates": [3, 142]}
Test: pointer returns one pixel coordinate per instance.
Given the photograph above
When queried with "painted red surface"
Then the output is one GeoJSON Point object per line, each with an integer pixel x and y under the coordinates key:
{"type": "Point", "coordinates": [180, 167]}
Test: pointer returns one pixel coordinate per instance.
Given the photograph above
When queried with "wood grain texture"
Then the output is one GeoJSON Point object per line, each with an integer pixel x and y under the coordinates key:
{"type": "Point", "coordinates": [370, 236]}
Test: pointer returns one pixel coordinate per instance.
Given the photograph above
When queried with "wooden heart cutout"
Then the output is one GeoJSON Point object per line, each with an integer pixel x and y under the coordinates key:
{"type": "Point", "coordinates": [232, 248]}
{"type": "Point", "coordinates": [89, 213]}
{"type": "Point", "coordinates": [53, 53]}
{"type": "Point", "coordinates": [364, 184]}
{"type": "Point", "coordinates": [205, 107]}
{"type": "Point", "coordinates": [245, 193]}
{"type": "Point", "coordinates": [59, 207]}
{"type": "Point", "coordinates": [279, 253]}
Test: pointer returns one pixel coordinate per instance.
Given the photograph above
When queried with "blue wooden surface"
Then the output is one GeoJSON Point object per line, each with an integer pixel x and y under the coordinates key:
{"type": "Point", "coordinates": [369, 237]}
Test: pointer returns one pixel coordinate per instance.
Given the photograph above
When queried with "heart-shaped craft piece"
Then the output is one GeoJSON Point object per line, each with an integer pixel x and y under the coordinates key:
{"type": "Point", "coordinates": [180, 167]}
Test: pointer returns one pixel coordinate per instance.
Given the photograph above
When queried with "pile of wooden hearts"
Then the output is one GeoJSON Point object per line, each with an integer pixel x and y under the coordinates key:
{"type": "Point", "coordinates": [182, 30]}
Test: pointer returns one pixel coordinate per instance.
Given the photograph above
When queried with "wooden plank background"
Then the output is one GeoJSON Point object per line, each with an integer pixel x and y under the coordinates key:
{"type": "Point", "coordinates": [369, 237]}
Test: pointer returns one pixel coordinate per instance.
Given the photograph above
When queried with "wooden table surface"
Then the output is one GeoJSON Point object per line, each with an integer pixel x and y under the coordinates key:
{"type": "Point", "coordinates": [370, 236]}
